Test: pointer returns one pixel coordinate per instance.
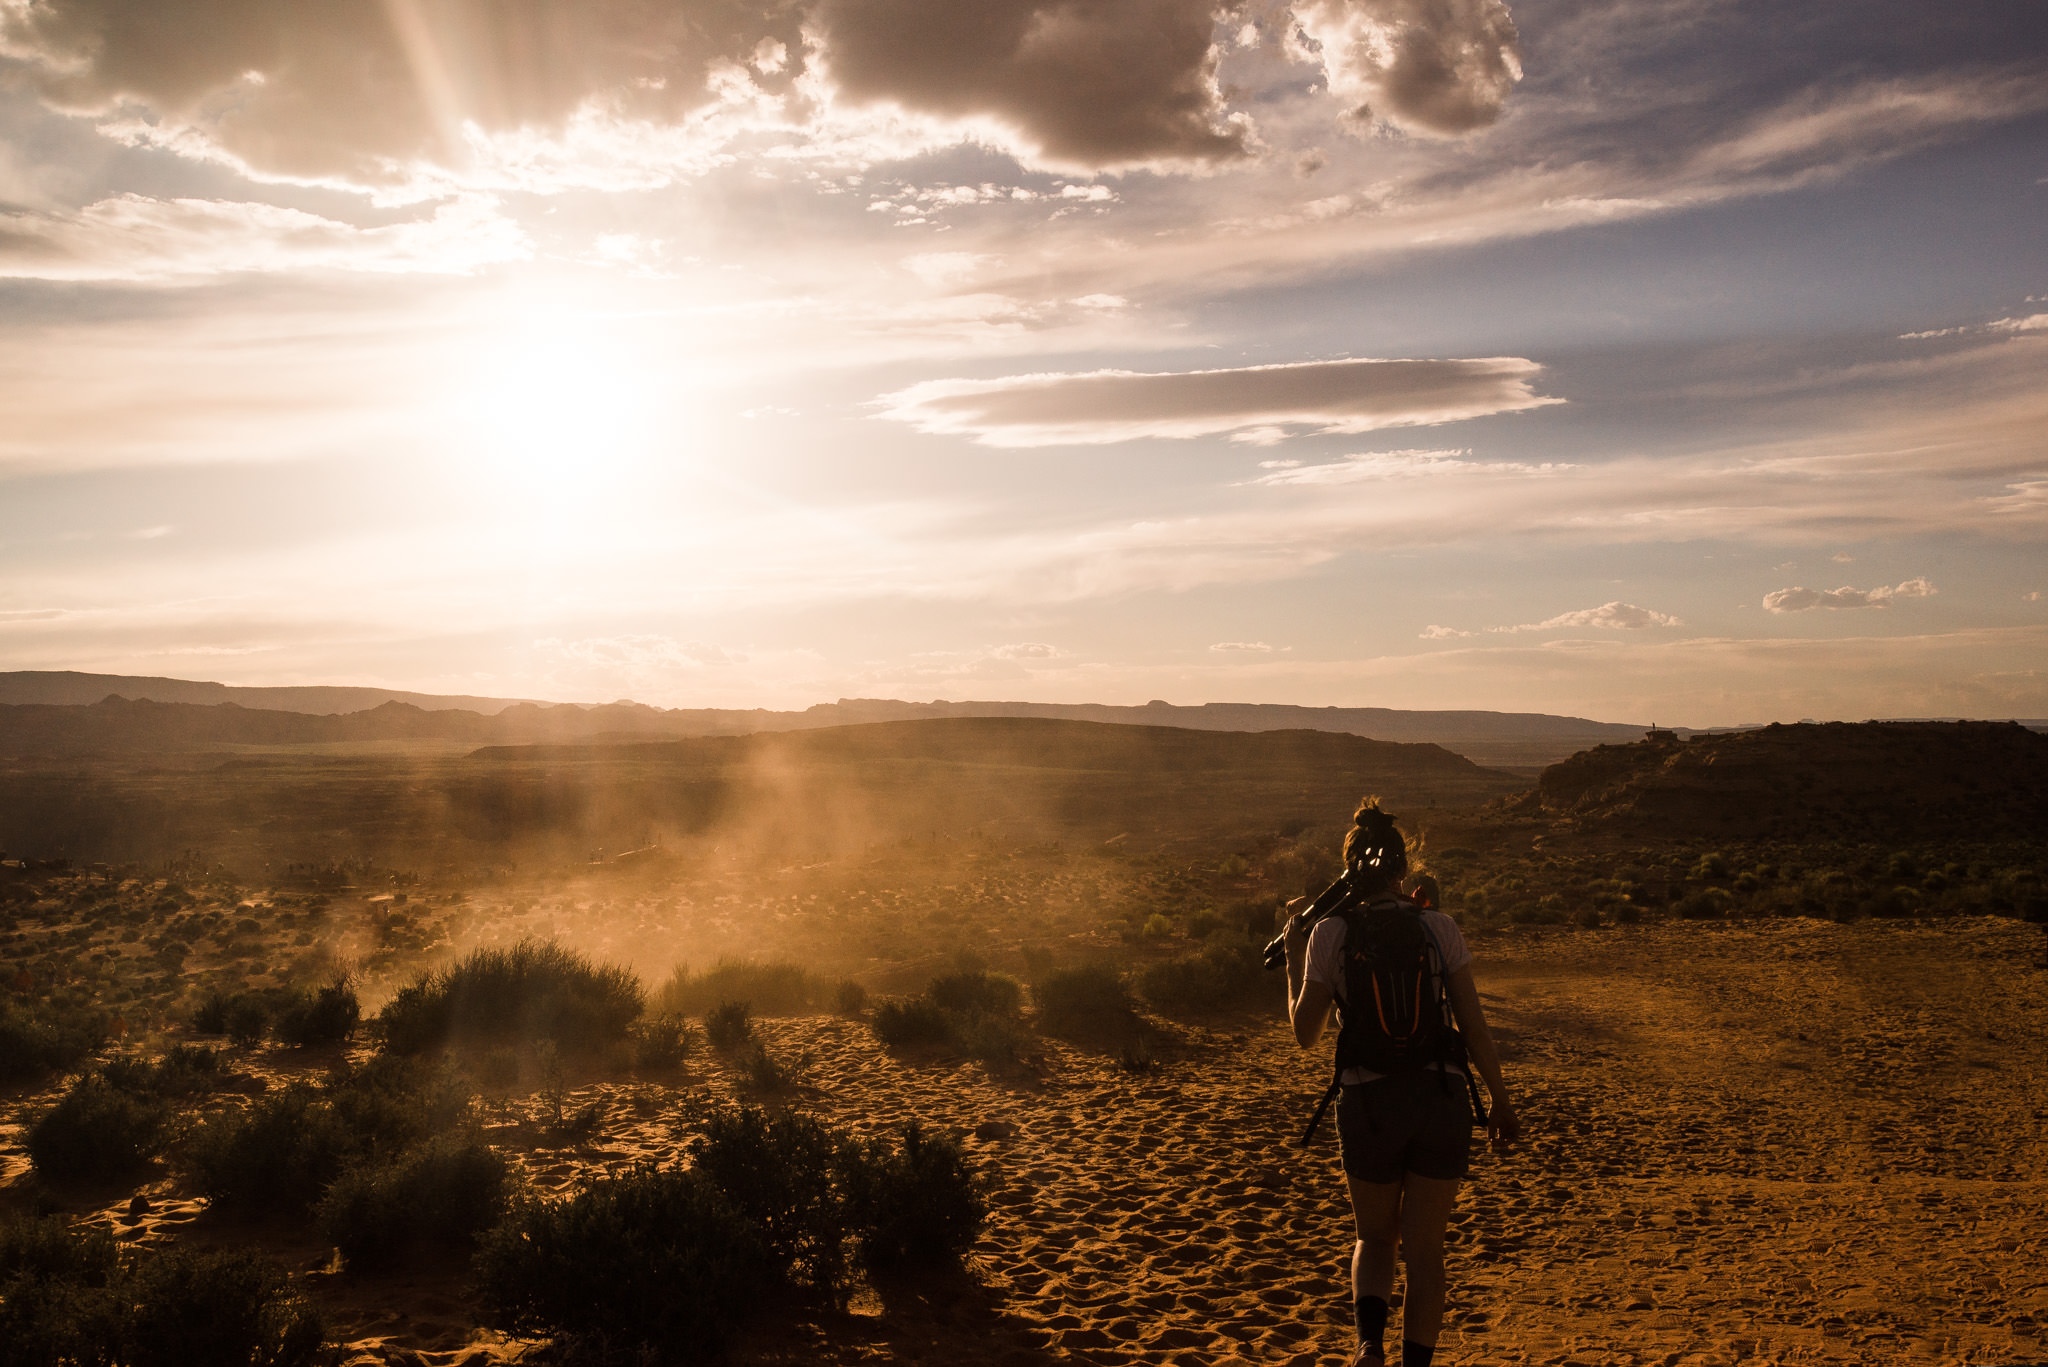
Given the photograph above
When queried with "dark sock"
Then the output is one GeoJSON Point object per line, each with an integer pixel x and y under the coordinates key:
{"type": "Point", "coordinates": [1371, 1313]}
{"type": "Point", "coordinates": [1415, 1354]}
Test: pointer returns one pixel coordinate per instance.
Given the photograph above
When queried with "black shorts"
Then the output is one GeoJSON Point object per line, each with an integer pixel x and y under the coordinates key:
{"type": "Point", "coordinates": [1418, 1122]}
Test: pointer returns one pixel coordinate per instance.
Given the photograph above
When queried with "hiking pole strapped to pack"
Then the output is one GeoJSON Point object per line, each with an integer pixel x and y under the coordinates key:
{"type": "Point", "coordinates": [1329, 901]}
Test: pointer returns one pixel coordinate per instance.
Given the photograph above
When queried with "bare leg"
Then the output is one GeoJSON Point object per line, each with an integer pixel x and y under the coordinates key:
{"type": "Point", "coordinates": [1425, 1210]}
{"type": "Point", "coordinates": [1376, 1225]}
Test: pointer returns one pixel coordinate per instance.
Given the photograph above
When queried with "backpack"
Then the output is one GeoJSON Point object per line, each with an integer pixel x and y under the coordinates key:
{"type": "Point", "coordinates": [1397, 1018]}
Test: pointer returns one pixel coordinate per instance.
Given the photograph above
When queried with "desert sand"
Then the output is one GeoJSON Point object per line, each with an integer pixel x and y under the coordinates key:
{"type": "Point", "coordinates": [1787, 1141]}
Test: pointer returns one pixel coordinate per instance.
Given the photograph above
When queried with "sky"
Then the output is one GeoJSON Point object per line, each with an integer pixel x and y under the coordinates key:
{"type": "Point", "coordinates": [1680, 361]}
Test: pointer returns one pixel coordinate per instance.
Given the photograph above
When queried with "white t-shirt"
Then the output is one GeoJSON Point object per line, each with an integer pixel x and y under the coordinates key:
{"type": "Point", "coordinates": [1326, 966]}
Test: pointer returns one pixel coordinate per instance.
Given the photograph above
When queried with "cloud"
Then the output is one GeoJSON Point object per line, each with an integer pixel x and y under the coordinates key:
{"type": "Point", "coordinates": [136, 238]}
{"type": "Point", "coordinates": [1391, 465]}
{"type": "Point", "coordinates": [361, 91]}
{"type": "Point", "coordinates": [2033, 322]}
{"type": "Point", "coordinates": [1441, 67]}
{"type": "Point", "coordinates": [1103, 84]}
{"type": "Point", "coordinates": [1242, 648]}
{"type": "Point", "coordinates": [1026, 650]}
{"type": "Point", "coordinates": [1798, 599]}
{"type": "Point", "coordinates": [1104, 406]}
{"type": "Point", "coordinates": [1437, 633]}
{"type": "Point", "coordinates": [1615, 616]}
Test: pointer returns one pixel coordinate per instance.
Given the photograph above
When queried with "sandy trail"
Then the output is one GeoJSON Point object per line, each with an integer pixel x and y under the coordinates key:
{"type": "Point", "coordinates": [1771, 1142]}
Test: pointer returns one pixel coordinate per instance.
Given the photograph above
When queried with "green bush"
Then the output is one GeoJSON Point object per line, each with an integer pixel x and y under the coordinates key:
{"type": "Point", "coordinates": [662, 1042]}
{"type": "Point", "coordinates": [654, 1262]}
{"type": "Point", "coordinates": [98, 1132]}
{"type": "Point", "coordinates": [777, 1170]}
{"type": "Point", "coordinates": [182, 1070]}
{"type": "Point", "coordinates": [729, 1025]}
{"type": "Point", "coordinates": [534, 990]}
{"type": "Point", "coordinates": [285, 1150]}
{"type": "Point", "coordinates": [58, 1303]}
{"type": "Point", "coordinates": [444, 1192]}
{"type": "Point", "coordinates": [1219, 976]}
{"type": "Point", "coordinates": [328, 1015]}
{"type": "Point", "coordinates": [220, 1307]}
{"type": "Point", "coordinates": [248, 1020]}
{"type": "Point", "coordinates": [976, 993]}
{"type": "Point", "coordinates": [1091, 999]}
{"type": "Point", "coordinates": [38, 1038]}
{"type": "Point", "coordinates": [918, 1020]}
{"type": "Point", "coordinates": [849, 998]}
{"type": "Point", "coordinates": [765, 1072]}
{"type": "Point", "coordinates": [68, 1300]}
{"type": "Point", "coordinates": [779, 987]}
{"type": "Point", "coordinates": [915, 1203]}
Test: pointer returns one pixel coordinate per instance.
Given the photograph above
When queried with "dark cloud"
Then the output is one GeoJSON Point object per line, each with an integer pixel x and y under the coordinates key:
{"type": "Point", "coordinates": [1255, 401]}
{"type": "Point", "coordinates": [1090, 82]}
{"type": "Point", "coordinates": [349, 88]}
{"type": "Point", "coordinates": [1433, 66]}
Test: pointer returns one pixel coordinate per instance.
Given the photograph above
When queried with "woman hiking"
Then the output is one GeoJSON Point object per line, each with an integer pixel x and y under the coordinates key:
{"type": "Point", "coordinates": [1406, 1135]}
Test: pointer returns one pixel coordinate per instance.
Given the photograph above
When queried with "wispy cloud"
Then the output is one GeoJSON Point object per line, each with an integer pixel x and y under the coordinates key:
{"type": "Point", "coordinates": [136, 238]}
{"type": "Point", "coordinates": [1394, 465]}
{"type": "Point", "coordinates": [1104, 406]}
{"type": "Point", "coordinates": [1798, 599]}
{"type": "Point", "coordinates": [1242, 648]}
{"type": "Point", "coordinates": [1616, 616]}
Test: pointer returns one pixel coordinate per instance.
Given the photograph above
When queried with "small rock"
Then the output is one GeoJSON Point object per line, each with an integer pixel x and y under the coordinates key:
{"type": "Point", "coordinates": [994, 1129]}
{"type": "Point", "coordinates": [138, 1206]}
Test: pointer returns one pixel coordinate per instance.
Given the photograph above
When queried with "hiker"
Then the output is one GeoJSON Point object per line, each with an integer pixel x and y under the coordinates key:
{"type": "Point", "coordinates": [1406, 1135]}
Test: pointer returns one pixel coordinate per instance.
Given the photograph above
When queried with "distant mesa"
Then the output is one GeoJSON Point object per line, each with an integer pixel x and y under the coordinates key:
{"type": "Point", "coordinates": [1876, 783]}
{"type": "Point", "coordinates": [133, 713]}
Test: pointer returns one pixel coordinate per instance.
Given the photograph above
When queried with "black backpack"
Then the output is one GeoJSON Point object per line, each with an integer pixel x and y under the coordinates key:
{"type": "Point", "coordinates": [1397, 1018]}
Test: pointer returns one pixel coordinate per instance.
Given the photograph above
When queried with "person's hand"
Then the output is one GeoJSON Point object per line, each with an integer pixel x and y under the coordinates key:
{"type": "Point", "coordinates": [1503, 1126]}
{"type": "Point", "coordinates": [1297, 933]}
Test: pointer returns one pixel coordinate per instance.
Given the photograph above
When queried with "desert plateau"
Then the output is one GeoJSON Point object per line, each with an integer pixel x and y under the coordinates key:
{"type": "Point", "coordinates": [947, 1041]}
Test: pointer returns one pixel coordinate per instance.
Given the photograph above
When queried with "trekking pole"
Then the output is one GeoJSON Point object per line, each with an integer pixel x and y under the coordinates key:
{"type": "Point", "coordinates": [1329, 901]}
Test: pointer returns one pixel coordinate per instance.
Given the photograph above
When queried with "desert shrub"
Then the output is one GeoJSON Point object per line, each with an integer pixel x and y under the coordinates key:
{"type": "Point", "coordinates": [778, 987]}
{"type": "Point", "coordinates": [443, 1192]}
{"type": "Point", "coordinates": [1157, 926]}
{"type": "Point", "coordinates": [918, 1020]}
{"type": "Point", "coordinates": [278, 1155]}
{"type": "Point", "coordinates": [98, 1131]}
{"type": "Point", "coordinates": [729, 1025]}
{"type": "Point", "coordinates": [1090, 999]}
{"type": "Point", "coordinates": [210, 1017]}
{"type": "Point", "coordinates": [1204, 923]}
{"type": "Point", "coordinates": [37, 1038]}
{"type": "Point", "coordinates": [221, 1307]}
{"type": "Point", "coordinates": [1219, 975]}
{"type": "Point", "coordinates": [991, 1038]}
{"type": "Point", "coordinates": [1713, 865]}
{"type": "Point", "coordinates": [328, 1015]}
{"type": "Point", "coordinates": [849, 998]}
{"type": "Point", "coordinates": [662, 1041]}
{"type": "Point", "coordinates": [654, 1261]}
{"type": "Point", "coordinates": [58, 1304]}
{"type": "Point", "coordinates": [1137, 1055]}
{"type": "Point", "coordinates": [976, 993]}
{"type": "Point", "coordinates": [1704, 905]}
{"type": "Point", "coordinates": [1587, 918]}
{"type": "Point", "coordinates": [183, 1070]}
{"type": "Point", "coordinates": [1628, 914]}
{"type": "Point", "coordinates": [284, 1151]}
{"type": "Point", "coordinates": [248, 1020]}
{"type": "Point", "coordinates": [767, 1073]}
{"type": "Point", "coordinates": [533, 990]}
{"type": "Point", "coordinates": [777, 1169]}
{"type": "Point", "coordinates": [917, 1202]}
{"type": "Point", "coordinates": [68, 1300]}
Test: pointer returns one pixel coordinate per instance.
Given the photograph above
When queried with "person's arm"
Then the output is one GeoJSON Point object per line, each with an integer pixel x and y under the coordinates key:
{"type": "Point", "coordinates": [1503, 1125]}
{"type": "Point", "coordinates": [1308, 1004]}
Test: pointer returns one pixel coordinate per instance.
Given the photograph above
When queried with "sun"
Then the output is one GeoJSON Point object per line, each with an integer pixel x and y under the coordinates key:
{"type": "Point", "coordinates": [558, 404]}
